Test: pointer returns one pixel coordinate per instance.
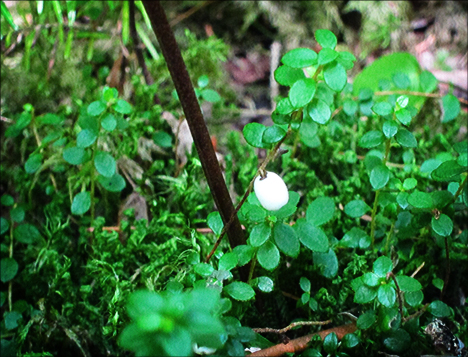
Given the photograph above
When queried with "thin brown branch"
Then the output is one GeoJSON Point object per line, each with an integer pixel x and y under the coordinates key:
{"type": "Point", "coordinates": [289, 327]}
{"type": "Point", "coordinates": [400, 302]}
{"type": "Point", "coordinates": [301, 343]}
{"type": "Point", "coordinates": [196, 122]}
{"type": "Point", "coordinates": [418, 269]}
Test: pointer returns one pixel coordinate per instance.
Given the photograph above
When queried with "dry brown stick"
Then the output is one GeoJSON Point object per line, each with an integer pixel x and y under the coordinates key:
{"type": "Point", "coordinates": [290, 326]}
{"type": "Point", "coordinates": [300, 344]}
{"type": "Point", "coordinates": [197, 125]}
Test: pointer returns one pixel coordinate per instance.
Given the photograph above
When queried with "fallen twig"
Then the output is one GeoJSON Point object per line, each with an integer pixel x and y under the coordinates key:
{"type": "Point", "coordinates": [300, 344]}
{"type": "Point", "coordinates": [287, 328]}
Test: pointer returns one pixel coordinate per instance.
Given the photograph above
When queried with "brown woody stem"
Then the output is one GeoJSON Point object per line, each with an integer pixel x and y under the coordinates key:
{"type": "Point", "coordinates": [196, 122]}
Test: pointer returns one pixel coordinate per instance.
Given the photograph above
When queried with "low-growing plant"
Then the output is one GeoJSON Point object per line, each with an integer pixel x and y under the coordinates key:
{"type": "Point", "coordinates": [355, 219]}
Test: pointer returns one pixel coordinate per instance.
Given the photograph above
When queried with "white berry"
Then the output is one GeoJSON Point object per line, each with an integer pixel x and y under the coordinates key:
{"type": "Point", "coordinates": [271, 191]}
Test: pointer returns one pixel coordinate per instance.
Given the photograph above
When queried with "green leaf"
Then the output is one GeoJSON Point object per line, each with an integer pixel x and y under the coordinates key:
{"type": "Point", "coordinates": [390, 128]}
{"type": "Point", "coordinates": [382, 266]}
{"type": "Point", "coordinates": [401, 80]}
{"type": "Point", "coordinates": [74, 155]}
{"type": "Point", "coordinates": [428, 82]}
{"type": "Point", "coordinates": [350, 340]}
{"type": "Point", "coordinates": [4, 225]}
{"type": "Point", "coordinates": [228, 261]}
{"type": "Point", "coordinates": [108, 93]}
{"type": "Point", "coordinates": [265, 284]}
{"type": "Point", "coordinates": [350, 107]}
{"type": "Point", "coordinates": [33, 163]}
{"type": "Point", "coordinates": [203, 81]}
{"type": "Point", "coordinates": [366, 320]}
{"type": "Point", "coordinates": [319, 111]}
{"type": "Point", "coordinates": [356, 208]}
{"type": "Point", "coordinates": [259, 234]}
{"type": "Point", "coordinates": [122, 107]}
{"type": "Point", "coordinates": [268, 256]}
{"type": "Point", "coordinates": [280, 119]}
{"type": "Point", "coordinates": [300, 58]}
{"type": "Point", "coordinates": [311, 237]}
{"type": "Point", "coordinates": [287, 76]}
{"type": "Point", "coordinates": [244, 254]}
{"type": "Point", "coordinates": [286, 239]}
{"type": "Point", "coordinates": [448, 171]}
{"type": "Point", "coordinates": [203, 269]}
{"type": "Point", "coordinates": [273, 134]}
{"type": "Point", "coordinates": [382, 108]}
{"type": "Point", "coordinates": [96, 108]}
{"type": "Point", "coordinates": [302, 92]}
{"type": "Point", "coordinates": [17, 214]}
{"type": "Point", "coordinates": [406, 138]}
{"type": "Point", "coordinates": [326, 55]}
{"type": "Point", "coordinates": [289, 208]}
{"type": "Point", "coordinates": [162, 139]}
{"type": "Point", "coordinates": [443, 225]}
{"type": "Point", "coordinates": [81, 203]}
{"type": "Point", "coordinates": [365, 94]}
{"type": "Point", "coordinates": [410, 183]}
{"type": "Point", "coordinates": [404, 116]}
{"type": "Point", "coordinates": [355, 238]}
{"type": "Point", "coordinates": [330, 343]}
{"type": "Point", "coordinates": [438, 283]}
{"type": "Point", "coordinates": [398, 341]}
{"type": "Point", "coordinates": [284, 107]}
{"type": "Point", "coordinates": [365, 294]}
{"type": "Point", "coordinates": [239, 291]}
{"type": "Point", "coordinates": [7, 200]}
{"type": "Point", "coordinates": [386, 295]}
{"type": "Point", "coordinates": [408, 284]}
{"type": "Point", "coordinates": [326, 38]}
{"type": "Point", "coordinates": [371, 279]}
{"type": "Point", "coordinates": [371, 139]}
{"type": "Point", "coordinates": [379, 177]}
{"type": "Point", "coordinates": [116, 183]}
{"type": "Point", "coordinates": [104, 164]}
{"type": "Point", "coordinates": [9, 269]}
{"type": "Point", "coordinates": [451, 107]}
{"type": "Point", "coordinates": [335, 76]}
{"type": "Point", "coordinates": [109, 123]}
{"type": "Point", "coordinates": [402, 101]}
{"type": "Point", "coordinates": [414, 298]}
{"type": "Point", "coordinates": [11, 318]}
{"type": "Point", "coordinates": [308, 132]}
{"type": "Point", "coordinates": [253, 133]}
{"type": "Point", "coordinates": [215, 222]}
{"type": "Point", "coordinates": [320, 211]}
{"type": "Point", "coordinates": [210, 95]}
{"type": "Point", "coordinates": [439, 309]}
{"type": "Point", "coordinates": [420, 199]}
{"type": "Point", "coordinates": [27, 234]}
{"type": "Point", "coordinates": [305, 284]}
{"type": "Point", "coordinates": [49, 119]}
{"type": "Point", "coordinates": [327, 262]}
{"type": "Point", "coordinates": [85, 138]}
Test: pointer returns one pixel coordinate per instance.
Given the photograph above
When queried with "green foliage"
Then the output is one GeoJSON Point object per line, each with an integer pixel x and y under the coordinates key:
{"type": "Point", "coordinates": [373, 196]}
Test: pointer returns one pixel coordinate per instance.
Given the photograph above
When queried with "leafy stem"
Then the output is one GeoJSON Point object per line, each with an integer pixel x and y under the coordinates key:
{"type": "Point", "coordinates": [271, 155]}
{"type": "Point", "coordinates": [377, 194]}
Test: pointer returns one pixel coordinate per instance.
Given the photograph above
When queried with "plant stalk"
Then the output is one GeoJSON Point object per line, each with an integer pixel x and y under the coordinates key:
{"type": "Point", "coordinates": [196, 122]}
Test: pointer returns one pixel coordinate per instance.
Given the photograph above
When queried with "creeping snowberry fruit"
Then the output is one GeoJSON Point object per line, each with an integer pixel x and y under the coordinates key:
{"type": "Point", "coordinates": [271, 191]}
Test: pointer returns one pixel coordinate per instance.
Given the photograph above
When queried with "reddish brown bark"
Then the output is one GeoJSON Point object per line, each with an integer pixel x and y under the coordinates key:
{"type": "Point", "coordinates": [300, 344]}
